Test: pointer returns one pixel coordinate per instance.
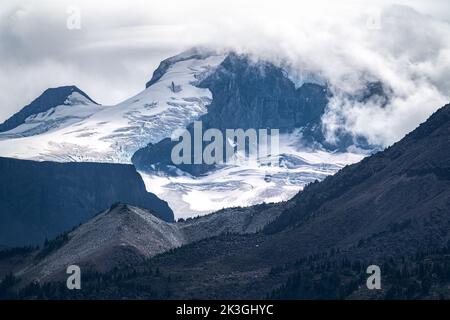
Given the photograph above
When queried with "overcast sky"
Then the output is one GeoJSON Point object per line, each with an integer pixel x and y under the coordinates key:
{"type": "Point", "coordinates": [405, 44]}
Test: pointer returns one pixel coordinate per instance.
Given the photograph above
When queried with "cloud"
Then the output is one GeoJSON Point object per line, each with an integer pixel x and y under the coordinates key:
{"type": "Point", "coordinates": [346, 44]}
{"type": "Point", "coordinates": [410, 55]}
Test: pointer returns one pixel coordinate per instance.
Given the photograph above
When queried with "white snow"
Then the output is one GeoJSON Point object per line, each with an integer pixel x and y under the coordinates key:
{"type": "Point", "coordinates": [83, 131]}
{"type": "Point", "coordinates": [247, 184]}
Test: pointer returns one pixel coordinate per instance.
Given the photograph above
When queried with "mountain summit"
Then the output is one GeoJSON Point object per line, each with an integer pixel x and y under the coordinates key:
{"type": "Point", "coordinates": [90, 132]}
{"type": "Point", "coordinates": [49, 99]}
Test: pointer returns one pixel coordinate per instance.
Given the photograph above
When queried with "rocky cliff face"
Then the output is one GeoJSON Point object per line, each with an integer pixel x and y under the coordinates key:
{"type": "Point", "coordinates": [246, 94]}
{"type": "Point", "coordinates": [405, 185]}
{"type": "Point", "coordinates": [249, 94]}
{"type": "Point", "coordinates": [40, 200]}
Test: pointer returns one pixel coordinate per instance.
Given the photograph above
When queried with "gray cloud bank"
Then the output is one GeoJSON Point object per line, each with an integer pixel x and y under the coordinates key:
{"type": "Point", "coordinates": [120, 43]}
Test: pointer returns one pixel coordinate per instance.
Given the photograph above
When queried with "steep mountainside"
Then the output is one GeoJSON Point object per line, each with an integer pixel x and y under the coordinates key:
{"type": "Point", "coordinates": [246, 95]}
{"type": "Point", "coordinates": [120, 236]}
{"type": "Point", "coordinates": [391, 209]}
{"type": "Point", "coordinates": [83, 131]}
{"type": "Point", "coordinates": [392, 204]}
{"type": "Point", "coordinates": [257, 95]}
{"type": "Point", "coordinates": [250, 94]}
{"type": "Point", "coordinates": [48, 100]}
{"type": "Point", "coordinates": [40, 200]}
{"type": "Point", "coordinates": [125, 235]}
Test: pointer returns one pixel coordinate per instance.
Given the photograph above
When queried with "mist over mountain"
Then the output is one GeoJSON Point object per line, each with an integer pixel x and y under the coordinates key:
{"type": "Point", "coordinates": [258, 94]}
{"type": "Point", "coordinates": [77, 129]}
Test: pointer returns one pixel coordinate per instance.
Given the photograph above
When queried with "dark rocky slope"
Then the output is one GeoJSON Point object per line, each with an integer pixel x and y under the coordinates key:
{"type": "Point", "coordinates": [124, 235]}
{"type": "Point", "coordinates": [391, 209]}
{"type": "Point", "coordinates": [246, 94]}
{"type": "Point", "coordinates": [40, 200]}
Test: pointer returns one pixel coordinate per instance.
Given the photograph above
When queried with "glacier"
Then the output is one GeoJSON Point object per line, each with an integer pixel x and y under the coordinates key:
{"type": "Point", "coordinates": [248, 184]}
{"type": "Point", "coordinates": [84, 131]}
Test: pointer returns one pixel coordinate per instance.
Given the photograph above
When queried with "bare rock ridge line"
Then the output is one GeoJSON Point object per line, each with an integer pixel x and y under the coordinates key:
{"type": "Point", "coordinates": [222, 89]}
{"type": "Point", "coordinates": [126, 235]}
{"type": "Point", "coordinates": [40, 200]}
{"type": "Point", "coordinates": [49, 99]}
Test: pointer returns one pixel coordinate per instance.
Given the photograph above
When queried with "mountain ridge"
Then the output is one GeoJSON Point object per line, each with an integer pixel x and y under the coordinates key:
{"type": "Point", "coordinates": [50, 98]}
{"type": "Point", "coordinates": [40, 200]}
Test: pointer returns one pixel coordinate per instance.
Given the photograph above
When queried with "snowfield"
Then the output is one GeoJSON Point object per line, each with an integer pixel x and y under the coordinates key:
{"type": "Point", "coordinates": [248, 184]}
{"type": "Point", "coordinates": [84, 131]}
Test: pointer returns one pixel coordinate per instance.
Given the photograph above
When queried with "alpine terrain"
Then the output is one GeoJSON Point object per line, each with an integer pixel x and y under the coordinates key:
{"type": "Point", "coordinates": [220, 88]}
{"type": "Point", "coordinates": [390, 210]}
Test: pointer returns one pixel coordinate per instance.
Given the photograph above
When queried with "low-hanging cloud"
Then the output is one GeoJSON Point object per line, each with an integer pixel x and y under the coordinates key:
{"type": "Point", "coordinates": [406, 47]}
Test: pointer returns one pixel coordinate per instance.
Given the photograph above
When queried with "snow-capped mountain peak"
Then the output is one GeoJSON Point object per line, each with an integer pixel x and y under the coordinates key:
{"type": "Point", "coordinates": [48, 100]}
{"type": "Point", "coordinates": [247, 94]}
{"type": "Point", "coordinates": [90, 132]}
{"type": "Point", "coordinates": [197, 53]}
